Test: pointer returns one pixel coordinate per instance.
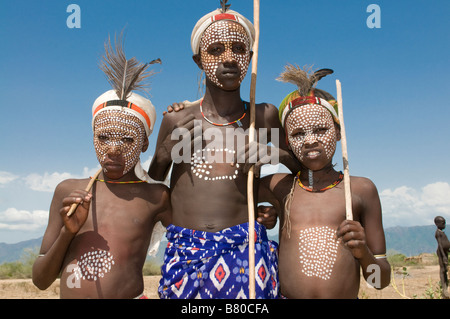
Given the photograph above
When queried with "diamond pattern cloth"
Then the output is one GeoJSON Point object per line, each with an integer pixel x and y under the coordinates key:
{"type": "Point", "coordinates": [206, 265]}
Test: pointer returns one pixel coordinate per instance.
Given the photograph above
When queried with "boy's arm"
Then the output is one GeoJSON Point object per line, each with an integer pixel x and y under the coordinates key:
{"type": "Point", "coordinates": [162, 159]}
{"type": "Point", "coordinates": [164, 214]}
{"type": "Point", "coordinates": [59, 234]}
{"type": "Point", "coordinates": [366, 238]}
{"type": "Point", "coordinates": [285, 156]}
{"type": "Point", "coordinates": [267, 215]}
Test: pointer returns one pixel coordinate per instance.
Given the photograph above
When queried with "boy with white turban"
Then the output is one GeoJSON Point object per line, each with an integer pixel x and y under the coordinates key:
{"type": "Point", "coordinates": [207, 254]}
{"type": "Point", "coordinates": [100, 249]}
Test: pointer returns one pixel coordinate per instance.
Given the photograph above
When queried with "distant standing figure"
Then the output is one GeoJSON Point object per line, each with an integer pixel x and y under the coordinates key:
{"type": "Point", "coordinates": [442, 253]}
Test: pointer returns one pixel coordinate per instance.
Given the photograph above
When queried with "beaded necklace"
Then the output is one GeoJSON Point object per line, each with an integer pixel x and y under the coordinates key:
{"type": "Point", "coordinates": [238, 121]}
{"type": "Point", "coordinates": [341, 176]}
{"type": "Point", "coordinates": [112, 182]}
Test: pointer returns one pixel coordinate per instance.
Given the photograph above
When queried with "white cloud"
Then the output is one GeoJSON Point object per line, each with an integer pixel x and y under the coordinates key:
{"type": "Point", "coordinates": [23, 220]}
{"type": "Point", "coordinates": [48, 182]}
{"type": "Point", "coordinates": [406, 206]}
{"type": "Point", "coordinates": [6, 177]}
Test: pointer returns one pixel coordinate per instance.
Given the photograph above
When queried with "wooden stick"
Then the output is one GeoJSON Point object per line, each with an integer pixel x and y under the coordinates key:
{"type": "Point", "coordinates": [252, 131]}
{"type": "Point", "coordinates": [87, 189]}
{"type": "Point", "coordinates": [348, 192]}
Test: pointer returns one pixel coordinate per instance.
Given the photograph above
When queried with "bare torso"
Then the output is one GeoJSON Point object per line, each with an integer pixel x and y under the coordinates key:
{"type": "Point", "coordinates": [106, 257]}
{"type": "Point", "coordinates": [313, 263]}
{"type": "Point", "coordinates": [209, 193]}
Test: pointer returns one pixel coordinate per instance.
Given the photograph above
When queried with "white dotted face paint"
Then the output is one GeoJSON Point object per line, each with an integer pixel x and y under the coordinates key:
{"type": "Point", "coordinates": [221, 42]}
{"type": "Point", "coordinates": [118, 133]}
{"type": "Point", "coordinates": [94, 265]}
{"type": "Point", "coordinates": [318, 247]}
{"type": "Point", "coordinates": [308, 125]}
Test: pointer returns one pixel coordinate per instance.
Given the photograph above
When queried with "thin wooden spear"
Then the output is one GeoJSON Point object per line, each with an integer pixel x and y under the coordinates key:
{"type": "Point", "coordinates": [348, 192]}
{"type": "Point", "coordinates": [252, 131]}
{"type": "Point", "coordinates": [74, 206]}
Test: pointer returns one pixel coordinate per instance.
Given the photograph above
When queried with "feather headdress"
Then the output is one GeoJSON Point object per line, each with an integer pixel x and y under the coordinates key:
{"type": "Point", "coordinates": [305, 80]}
{"type": "Point", "coordinates": [124, 75]}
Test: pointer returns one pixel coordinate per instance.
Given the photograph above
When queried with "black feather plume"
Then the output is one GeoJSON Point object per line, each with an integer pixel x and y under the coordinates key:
{"type": "Point", "coordinates": [224, 5]}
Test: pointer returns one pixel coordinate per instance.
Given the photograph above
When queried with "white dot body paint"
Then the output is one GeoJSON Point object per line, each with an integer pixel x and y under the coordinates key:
{"type": "Point", "coordinates": [202, 169]}
{"type": "Point", "coordinates": [94, 265]}
{"type": "Point", "coordinates": [318, 247]}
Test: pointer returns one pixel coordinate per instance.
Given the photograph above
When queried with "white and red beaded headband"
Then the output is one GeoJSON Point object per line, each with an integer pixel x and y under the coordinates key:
{"type": "Point", "coordinates": [215, 16]}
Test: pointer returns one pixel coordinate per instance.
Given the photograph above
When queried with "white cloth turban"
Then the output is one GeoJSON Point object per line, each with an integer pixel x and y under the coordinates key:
{"type": "Point", "coordinates": [135, 104]}
{"type": "Point", "coordinates": [215, 16]}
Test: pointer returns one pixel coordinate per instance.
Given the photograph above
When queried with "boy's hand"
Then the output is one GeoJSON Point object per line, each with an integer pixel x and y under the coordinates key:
{"type": "Point", "coordinates": [185, 126]}
{"type": "Point", "coordinates": [353, 236]}
{"type": "Point", "coordinates": [267, 215]}
{"type": "Point", "coordinates": [256, 154]}
{"type": "Point", "coordinates": [74, 223]}
{"type": "Point", "coordinates": [174, 107]}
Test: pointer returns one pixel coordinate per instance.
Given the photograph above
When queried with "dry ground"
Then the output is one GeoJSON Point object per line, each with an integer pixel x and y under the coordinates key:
{"type": "Point", "coordinates": [416, 284]}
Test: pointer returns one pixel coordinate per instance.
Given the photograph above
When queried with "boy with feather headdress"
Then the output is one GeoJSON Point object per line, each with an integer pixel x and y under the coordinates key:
{"type": "Point", "coordinates": [321, 253]}
{"type": "Point", "coordinates": [100, 249]}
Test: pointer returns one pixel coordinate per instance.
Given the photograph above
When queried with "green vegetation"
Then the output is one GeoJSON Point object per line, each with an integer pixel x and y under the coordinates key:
{"type": "Point", "coordinates": [151, 269]}
{"type": "Point", "coordinates": [20, 269]}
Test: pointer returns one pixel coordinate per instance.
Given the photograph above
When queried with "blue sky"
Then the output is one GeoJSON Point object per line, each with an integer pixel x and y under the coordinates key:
{"type": "Point", "coordinates": [395, 81]}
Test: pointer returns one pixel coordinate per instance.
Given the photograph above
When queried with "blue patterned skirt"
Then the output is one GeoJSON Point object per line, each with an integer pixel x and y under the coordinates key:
{"type": "Point", "coordinates": [207, 265]}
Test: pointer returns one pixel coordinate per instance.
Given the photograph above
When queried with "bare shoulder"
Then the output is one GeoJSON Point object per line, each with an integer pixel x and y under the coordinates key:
{"type": "Point", "coordinates": [366, 197]}
{"type": "Point", "coordinates": [68, 185]}
{"type": "Point", "coordinates": [156, 192]}
{"type": "Point", "coordinates": [172, 118]}
{"type": "Point", "coordinates": [156, 189]}
{"type": "Point", "coordinates": [363, 185]}
{"type": "Point", "coordinates": [279, 179]}
{"type": "Point", "coordinates": [266, 109]}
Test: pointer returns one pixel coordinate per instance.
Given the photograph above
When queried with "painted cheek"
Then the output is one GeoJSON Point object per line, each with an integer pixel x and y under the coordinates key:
{"type": "Point", "coordinates": [329, 143]}
{"type": "Point", "coordinates": [210, 65]}
{"type": "Point", "coordinates": [296, 144]}
{"type": "Point", "coordinates": [131, 156]}
{"type": "Point", "coordinates": [101, 149]}
{"type": "Point", "coordinates": [243, 62]}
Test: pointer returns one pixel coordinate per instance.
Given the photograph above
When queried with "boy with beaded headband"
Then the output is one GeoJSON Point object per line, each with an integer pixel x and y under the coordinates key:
{"type": "Point", "coordinates": [320, 252]}
{"type": "Point", "coordinates": [101, 248]}
{"type": "Point", "coordinates": [207, 254]}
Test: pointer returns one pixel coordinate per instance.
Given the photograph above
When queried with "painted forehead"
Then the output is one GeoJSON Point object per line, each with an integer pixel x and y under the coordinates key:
{"type": "Point", "coordinates": [118, 120]}
{"type": "Point", "coordinates": [224, 31]}
{"type": "Point", "coordinates": [308, 115]}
